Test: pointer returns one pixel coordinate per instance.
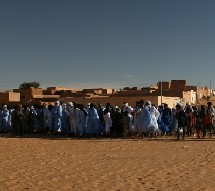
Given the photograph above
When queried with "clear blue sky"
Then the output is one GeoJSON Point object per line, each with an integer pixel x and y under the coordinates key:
{"type": "Point", "coordinates": [106, 43]}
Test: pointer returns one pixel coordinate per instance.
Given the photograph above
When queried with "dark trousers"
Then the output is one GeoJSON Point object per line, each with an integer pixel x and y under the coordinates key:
{"type": "Point", "coordinates": [178, 132]}
{"type": "Point", "coordinates": [18, 129]}
{"type": "Point", "coordinates": [206, 128]}
{"type": "Point", "coordinates": [189, 126]}
{"type": "Point", "coordinates": [198, 129]}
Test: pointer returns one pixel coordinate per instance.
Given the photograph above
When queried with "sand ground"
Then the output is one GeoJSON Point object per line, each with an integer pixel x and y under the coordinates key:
{"type": "Point", "coordinates": [55, 163]}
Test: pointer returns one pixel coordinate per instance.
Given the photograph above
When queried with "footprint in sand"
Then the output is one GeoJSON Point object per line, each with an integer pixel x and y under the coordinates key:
{"type": "Point", "coordinates": [139, 178]}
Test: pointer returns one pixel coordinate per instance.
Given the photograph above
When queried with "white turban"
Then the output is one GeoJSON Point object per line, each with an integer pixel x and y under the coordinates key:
{"type": "Point", "coordinates": [180, 104]}
{"type": "Point", "coordinates": [148, 102]}
{"type": "Point", "coordinates": [57, 102]}
{"type": "Point", "coordinates": [64, 105]}
{"type": "Point", "coordinates": [70, 104]}
{"type": "Point", "coordinates": [129, 109]}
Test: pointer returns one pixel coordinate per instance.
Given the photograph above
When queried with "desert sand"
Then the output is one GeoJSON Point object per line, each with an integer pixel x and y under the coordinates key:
{"type": "Point", "coordinates": [56, 163]}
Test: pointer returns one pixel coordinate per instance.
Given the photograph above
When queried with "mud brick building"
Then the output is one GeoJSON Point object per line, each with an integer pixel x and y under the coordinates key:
{"type": "Point", "coordinates": [9, 98]}
{"type": "Point", "coordinates": [164, 92]}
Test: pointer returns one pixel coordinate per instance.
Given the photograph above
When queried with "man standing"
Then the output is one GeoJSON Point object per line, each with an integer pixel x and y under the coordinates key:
{"type": "Point", "coordinates": [137, 128]}
{"type": "Point", "coordinates": [166, 119]}
{"type": "Point", "coordinates": [18, 120]}
{"type": "Point", "coordinates": [145, 117]}
{"type": "Point", "coordinates": [5, 114]}
{"type": "Point", "coordinates": [208, 122]}
{"type": "Point", "coordinates": [82, 115]}
{"type": "Point", "coordinates": [57, 115]}
{"type": "Point", "coordinates": [181, 118]}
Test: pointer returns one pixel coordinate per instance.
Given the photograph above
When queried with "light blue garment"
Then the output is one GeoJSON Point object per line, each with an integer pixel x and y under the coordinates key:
{"type": "Point", "coordinates": [64, 122]}
{"type": "Point", "coordinates": [57, 115]}
{"type": "Point", "coordinates": [94, 125]}
{"type": "Point", "coordinates": [145, 119]}
{"type": "Point", "coordinates": [160, 121]}
{"type": "Point", "coordinates": [82, 121]}
{"type": "Point", "coordinates": [37, 122]}
{"type": "Point", "coordinates": [5, 114]}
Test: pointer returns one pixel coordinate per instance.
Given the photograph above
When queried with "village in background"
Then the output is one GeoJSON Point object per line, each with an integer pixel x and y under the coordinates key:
{"type": "Point", "coordinates": [163, 92]}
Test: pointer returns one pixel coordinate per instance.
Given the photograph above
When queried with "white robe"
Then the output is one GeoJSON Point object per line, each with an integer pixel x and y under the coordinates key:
{"type": "Point", "coordinates": [154, 117]}
{"type": "Point", "coordinates": [108, 122]}
{"type": "Point", "coordinates": [73, 121]}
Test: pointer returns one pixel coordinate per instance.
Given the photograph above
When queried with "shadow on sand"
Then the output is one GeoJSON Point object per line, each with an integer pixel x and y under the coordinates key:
{"type": "Point", "coordinates": [103, 138]}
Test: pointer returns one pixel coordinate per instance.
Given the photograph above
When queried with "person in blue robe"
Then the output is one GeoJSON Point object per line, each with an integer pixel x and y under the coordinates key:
{"type": "Point", "coordinates": [82, 114]}
{"type": "Point", "coordinates": [100, 112]}
{"type": "Point", "coordinates": [65, 120]}
{"type": "Point", "coordinates": [167, 119]}
{"type": "Point", "coordinates": [37, 121]}
{"type": "Point", "coordinates": [160, 120]}
{"type": "Point", "coordinates": [5, 114]}
{"type": "Point", "coordinates": [94, 125]}
{"type": "Point", "coordinates": [56, 116]}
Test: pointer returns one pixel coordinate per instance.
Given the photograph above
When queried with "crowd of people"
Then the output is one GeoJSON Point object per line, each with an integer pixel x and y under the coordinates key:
{"type": "Point", "coordinates": [143, 120]}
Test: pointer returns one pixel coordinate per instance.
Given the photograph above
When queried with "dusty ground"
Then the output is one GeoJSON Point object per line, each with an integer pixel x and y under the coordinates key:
{"type": "Point", "coordinates": [54, 163]}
